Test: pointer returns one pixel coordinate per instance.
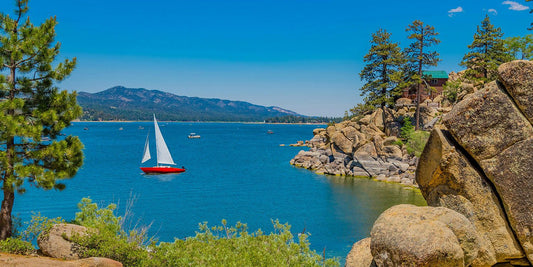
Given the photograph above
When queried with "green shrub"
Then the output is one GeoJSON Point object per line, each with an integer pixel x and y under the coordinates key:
{"type": "Point", "coordinates": [359, 111]}
{"type": "Point", "coordinates": [398, 143]}
{"type": "Point", "coordinates": [102, 219]}
{"type": "Point", "coordinates": [416, 142]}
{"type": "Point", "coordinates": [113, 246]}
{"type": "Point", "coordinates": [234, 246]}
{"type": "Point", "coordinates": [451, 90]}
{"type": "Point", "coordinates": [16, 246]}
{"type": "Point", "coordinates": [108, 238]}
{"type": "Point", "coordinates": [39, 224]}
{"type": "Point", "coordinates": [407, 128]}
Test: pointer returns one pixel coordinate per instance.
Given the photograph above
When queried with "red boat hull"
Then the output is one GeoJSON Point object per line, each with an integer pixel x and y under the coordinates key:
{"type": "Point", "coordinates": [155, 170]}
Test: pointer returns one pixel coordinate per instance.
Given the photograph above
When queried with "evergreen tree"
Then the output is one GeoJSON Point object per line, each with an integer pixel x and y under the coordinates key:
{"type": "Point", "coordinates": [33, 111]}
{"type": "Point", "coordinates": [487, 52]}
{"type": "Point", "coordinates": [422, 36]}
{"type": "Point", "coordinates": [382, 72]}
{"type": "Point", "coordinates": [520, 47]}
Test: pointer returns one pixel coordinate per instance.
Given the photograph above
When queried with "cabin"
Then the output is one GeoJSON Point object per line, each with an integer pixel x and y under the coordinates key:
{"type": "Point", "coordinates": [430, 88]}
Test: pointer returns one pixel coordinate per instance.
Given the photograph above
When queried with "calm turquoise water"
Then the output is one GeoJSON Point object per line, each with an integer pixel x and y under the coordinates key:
{"type": "Point", "coordinates": [236, 172]}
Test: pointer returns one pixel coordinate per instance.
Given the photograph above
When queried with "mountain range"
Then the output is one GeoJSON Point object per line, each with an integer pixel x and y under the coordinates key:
{"type": "Point", "coordinates": [138, 104]}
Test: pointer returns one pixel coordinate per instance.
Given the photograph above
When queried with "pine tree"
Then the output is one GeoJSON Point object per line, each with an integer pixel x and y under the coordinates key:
{"type": "Point", "coordinates": [382, 72]}
{"type": "Point", "coordinates": [33, 111]}
{"type": "Point", "coordinates": [520, 47]}
{"type": "Point", "coordinates": [487, 52]}
{"type": "Point", "coordinates": [422, 36]}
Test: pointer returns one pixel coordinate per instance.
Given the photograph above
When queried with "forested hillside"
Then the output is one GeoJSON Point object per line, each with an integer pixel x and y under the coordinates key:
{"type": "Point", "coordinates": [120, 103]}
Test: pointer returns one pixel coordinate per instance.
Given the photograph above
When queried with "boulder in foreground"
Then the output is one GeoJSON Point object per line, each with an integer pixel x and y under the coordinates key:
{"type": "Point", "coordinates": [407, 235]}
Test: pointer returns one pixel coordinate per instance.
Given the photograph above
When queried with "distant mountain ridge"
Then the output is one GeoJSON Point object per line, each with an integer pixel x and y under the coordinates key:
{"type": "Point", "coordinates": [121, 103]}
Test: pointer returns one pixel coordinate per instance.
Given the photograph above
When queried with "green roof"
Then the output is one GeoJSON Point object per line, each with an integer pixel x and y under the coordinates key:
{"type": "Point", "coordinates": [437, 74]}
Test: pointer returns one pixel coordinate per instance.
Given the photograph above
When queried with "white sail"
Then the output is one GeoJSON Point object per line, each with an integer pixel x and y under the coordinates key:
{"type": "Point", "coordinates": [146, 154]}
{"type": "Point", "coordinates": [163, 155]}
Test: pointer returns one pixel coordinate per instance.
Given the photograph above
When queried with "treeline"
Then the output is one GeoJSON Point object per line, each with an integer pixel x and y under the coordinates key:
{"type": "Point", "coordinates": [302, 119]}
{"type": "Point", "coordinates": [390, 69]}
{"type": "Point", "coordinates": [103, 113]}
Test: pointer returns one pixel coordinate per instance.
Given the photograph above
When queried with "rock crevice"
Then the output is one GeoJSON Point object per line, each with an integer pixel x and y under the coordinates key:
{"type": "Point", "coordinates": [518, 251]}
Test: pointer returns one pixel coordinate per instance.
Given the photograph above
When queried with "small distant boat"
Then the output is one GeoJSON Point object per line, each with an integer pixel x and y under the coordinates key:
{"type": "Point", "coordinates": [141, 128]}
{"type": "Point", "coordinates": [85, 128]}
{"type": "Point", "coordinates": [270, 132]}
{"type": "Point", "coordinates": [163, 155]}
{"type": "Point", "coordinates": [120, 129]}
{"type": "Point", "coordinates": [193, 136]}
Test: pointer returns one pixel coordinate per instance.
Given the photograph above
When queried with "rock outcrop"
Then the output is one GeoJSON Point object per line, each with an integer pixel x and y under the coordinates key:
{"type": "Point", "coordinates": [447, 178]}
{"type": "Point", "coordinates": [56, 243]}
{"type": "Point", "coordinates": [362, 147]}
{"type": "Point", "coordinates": [478, 164]}
{"type": "Point", "coordinates": [497, 133]}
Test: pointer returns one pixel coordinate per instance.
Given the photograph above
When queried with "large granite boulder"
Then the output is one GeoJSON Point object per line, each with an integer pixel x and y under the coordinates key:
{"type": "Point", "coordinates": [495, 133]}
{"type": "Point", "coordinates": [407, 235]}
{"type": "Point", "coordinates": [427, 114]}
{"type": "Point", "coordinates": [309, 159]}
{"type": "Point", "coordinates": [447, 178]}
{"type": "Point", "coordinates": [487, 122]}
{"type": "Point", "coordinates": [56, 242]}
{"type": "Point", "coordinates": [516, 77]}
{"type": "Point", "coordinates": [377, 119]}
{"type": "Point", "coordinates": [319, 139]}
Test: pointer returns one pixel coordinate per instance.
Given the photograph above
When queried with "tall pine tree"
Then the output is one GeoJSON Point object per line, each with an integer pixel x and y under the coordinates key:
{"type": "Point", "coordinates": [382, 72]}
{"type": "Point", "coordinates": [487, 52]}
{"type": "Point", "coordinates": [33, 111]}
{"type": "Point", "coordinates": [422, 36]}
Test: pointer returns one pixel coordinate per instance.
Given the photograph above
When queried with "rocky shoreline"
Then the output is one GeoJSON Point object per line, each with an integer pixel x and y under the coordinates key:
{"type": "Point", "coordinates": [366, 147]}
{"type": "Point", "coordinates": [476, 174]}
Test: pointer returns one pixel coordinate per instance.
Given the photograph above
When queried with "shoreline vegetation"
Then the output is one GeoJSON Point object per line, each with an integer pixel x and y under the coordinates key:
{"type": "Point", "coordinates": [98, 232]}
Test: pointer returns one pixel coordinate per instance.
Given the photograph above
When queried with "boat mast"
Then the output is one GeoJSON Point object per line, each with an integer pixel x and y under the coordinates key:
{"type": "Point", "coordinates": [163, 155]}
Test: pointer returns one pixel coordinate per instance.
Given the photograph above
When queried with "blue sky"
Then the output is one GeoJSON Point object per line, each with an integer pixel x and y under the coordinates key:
{"type": "Point", "coordinates": [303, 55]}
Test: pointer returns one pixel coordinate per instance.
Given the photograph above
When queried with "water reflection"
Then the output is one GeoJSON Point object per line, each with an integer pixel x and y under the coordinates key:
{"type": "Point", "coordinates": [168, 177]}
{"type": "Point", "coordinates": [359, 201]}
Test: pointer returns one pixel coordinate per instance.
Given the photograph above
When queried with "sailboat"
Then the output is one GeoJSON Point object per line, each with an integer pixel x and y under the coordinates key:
{"type": "Point", "coordinates": [163, 155]}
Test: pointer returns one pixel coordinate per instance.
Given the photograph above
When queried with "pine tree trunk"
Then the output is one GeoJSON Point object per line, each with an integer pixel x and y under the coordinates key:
{"type": "Point", "coordinates": [420, 62]}
{"type": "Point", "coordinates": [385, 81]}
{"type": "Point", "coordinates": [6, 224]}
{"type": "Point", "coordinates": [417, 107]}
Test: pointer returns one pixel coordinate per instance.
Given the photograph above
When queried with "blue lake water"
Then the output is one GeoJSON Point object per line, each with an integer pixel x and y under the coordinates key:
{"type": "Point", "coordinates": [236, 172]}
